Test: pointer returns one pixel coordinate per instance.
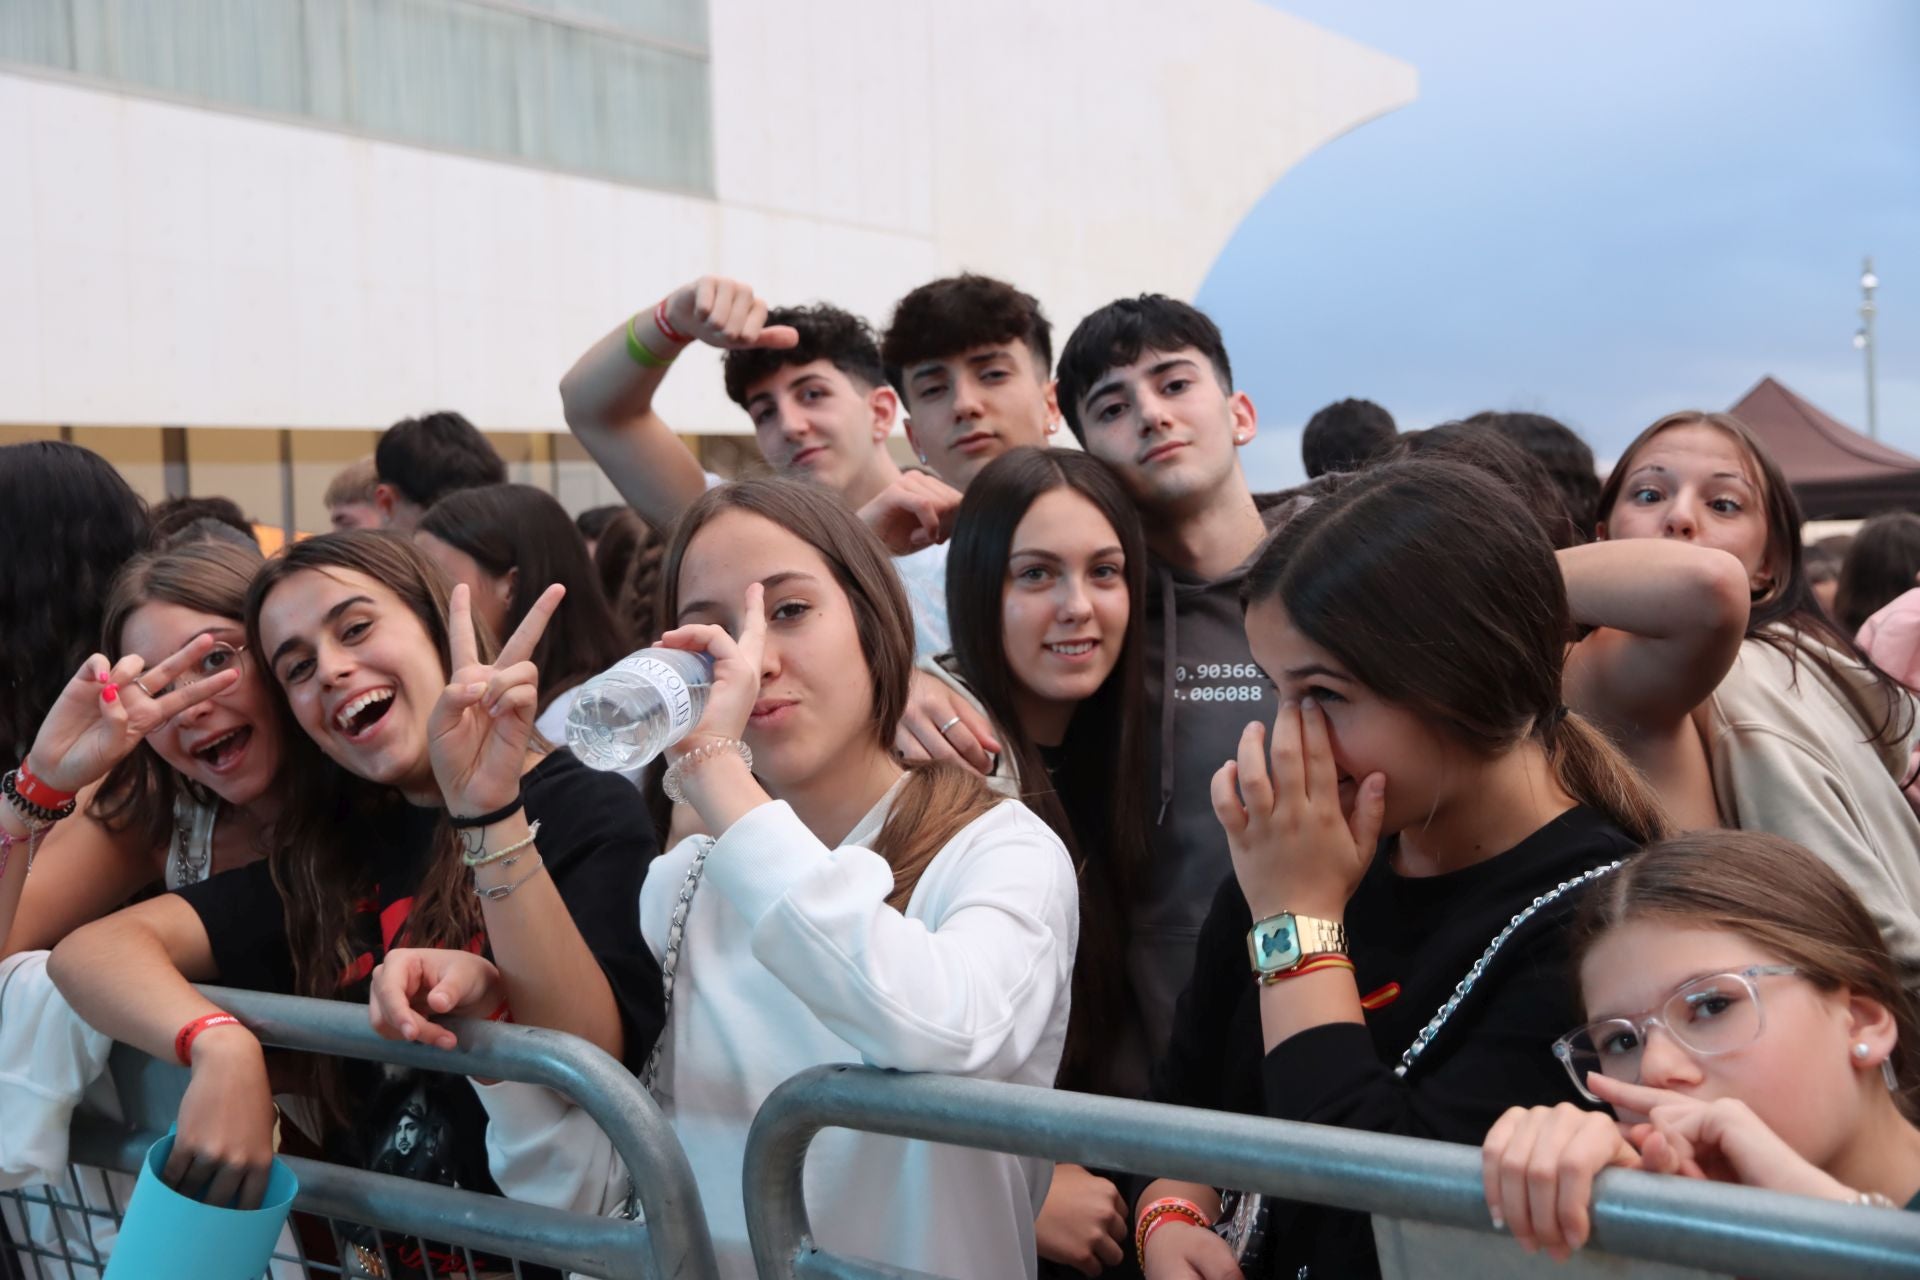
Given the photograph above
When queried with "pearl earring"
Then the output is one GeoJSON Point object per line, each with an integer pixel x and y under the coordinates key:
{"type": "Point", "coordinates": [1861, 1050]}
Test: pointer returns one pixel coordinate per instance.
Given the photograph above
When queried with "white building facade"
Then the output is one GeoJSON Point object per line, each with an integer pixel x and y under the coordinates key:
{"type": "Point", "coordinates": [243, 236]}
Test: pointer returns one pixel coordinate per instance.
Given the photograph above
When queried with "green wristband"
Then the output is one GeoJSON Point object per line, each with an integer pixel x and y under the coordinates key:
{"type": "Point", "coordinates": [641, 353]}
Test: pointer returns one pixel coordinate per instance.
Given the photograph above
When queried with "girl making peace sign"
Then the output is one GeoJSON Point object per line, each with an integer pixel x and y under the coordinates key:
{"type": "Point", "coordinates": [420, 811]}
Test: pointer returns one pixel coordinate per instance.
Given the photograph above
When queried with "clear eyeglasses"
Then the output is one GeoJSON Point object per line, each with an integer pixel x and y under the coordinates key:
{"type": "Point", "coordinates": [1707, 1016]}
{"type": "Point", "coordinates": [215, 660]}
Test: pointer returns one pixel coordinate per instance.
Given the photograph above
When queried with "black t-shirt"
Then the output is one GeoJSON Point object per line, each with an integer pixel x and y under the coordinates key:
{"type": "Point", "coordinates": [1423, 933]}
{"type": "Point", "coordinates": [596, 842]}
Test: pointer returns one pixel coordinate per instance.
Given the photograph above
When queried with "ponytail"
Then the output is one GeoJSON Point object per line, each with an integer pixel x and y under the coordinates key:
{"type": "Point", "coordinates": [936, 804]}
{"type": "Point", "coordinates": [1593, 771]}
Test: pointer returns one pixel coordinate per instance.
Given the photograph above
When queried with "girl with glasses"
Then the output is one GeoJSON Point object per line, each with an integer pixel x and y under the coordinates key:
{"type": "Point", "coordinates": [174, 777]}
{"type": "Point", "coordinates": [1747, 1025]}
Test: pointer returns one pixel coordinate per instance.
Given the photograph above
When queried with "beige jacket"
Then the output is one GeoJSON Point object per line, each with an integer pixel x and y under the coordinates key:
{"type": "Point", "coordinates": [1790, 756]}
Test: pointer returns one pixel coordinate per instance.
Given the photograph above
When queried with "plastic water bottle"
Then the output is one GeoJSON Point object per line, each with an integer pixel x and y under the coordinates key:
{"type": "Point", "coordinates": [637, 708]}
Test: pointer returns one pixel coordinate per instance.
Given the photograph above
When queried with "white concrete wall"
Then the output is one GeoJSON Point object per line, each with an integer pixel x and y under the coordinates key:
{"type": "Point", "coordinates": [166, 264]}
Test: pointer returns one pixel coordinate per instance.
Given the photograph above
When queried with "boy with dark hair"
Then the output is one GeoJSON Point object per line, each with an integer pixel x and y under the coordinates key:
{"type": "Point", "coordinates": [970, 357]}
{"type": "Point", "coordinates": [1146, 386]}
{"type": "Point", "coordinates": [1345, 436]}
{"type": "Point", "coordinates": [1563, 453]}
{"type": "Point", "coordinates": [420, 460]}
{"type": "Point", "coordinates": [811, 380]}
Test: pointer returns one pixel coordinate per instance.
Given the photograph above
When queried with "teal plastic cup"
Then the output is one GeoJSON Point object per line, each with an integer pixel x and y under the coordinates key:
{"type": "Point", "coordinates": [168, 1236]}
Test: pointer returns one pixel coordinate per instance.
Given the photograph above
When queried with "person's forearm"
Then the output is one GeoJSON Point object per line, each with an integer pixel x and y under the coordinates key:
{"type": "Point", "coordinates": [13, 877]}
{"type": "Point", "coordinates": [1310, 1000]}
{"type": "Point", "coordinates": [551, 975]}
{"type": "Point", "coordinates": [117, 975]}
{"type": "Point", "coordinates": [723, 791]}
{"type": "Point", "coordinates": [1654, 587]}
{"type": "Point", "coordinates": [608, 400]}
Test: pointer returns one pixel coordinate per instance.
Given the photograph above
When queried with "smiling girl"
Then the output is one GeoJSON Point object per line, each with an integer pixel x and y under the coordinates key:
{"type": "Point", "coordinates": [1747, 1025]}
{"type": "Point", "coordinates": [416, 813]}
{"type": "Point", "coordinates": [847, 909]}
{"type": "Point", "coordinates": [189, 775]}
{"type": "Point", "coordinates": [1407, 849]}
{"type": "Point", "coordinates": [1045, 587]}
{"type": "Point", "coordinates": [1804, 737]}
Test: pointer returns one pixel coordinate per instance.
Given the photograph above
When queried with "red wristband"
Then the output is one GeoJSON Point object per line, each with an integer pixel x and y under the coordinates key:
{"type": "Point", "coordinates": [502, 1014]}
{"type": "Point", "coordinates": [183, 1043]}
{"type": "Point", "coordinates": [34, 791]}
{"type": "Point", "coordinates": [665, 326]}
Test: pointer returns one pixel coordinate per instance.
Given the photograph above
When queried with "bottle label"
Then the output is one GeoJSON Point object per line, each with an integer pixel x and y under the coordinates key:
{"type": "Point", "coordinates": [673, 689]}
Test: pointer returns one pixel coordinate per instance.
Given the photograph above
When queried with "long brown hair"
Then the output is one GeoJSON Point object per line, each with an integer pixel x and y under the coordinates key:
{"type": "Point", "coordinates": [334, 824]}
{"type": "Point", "coordinates": [1786, 615]}
{"type": "Point", "coordinates": [1104, 826]}
{"type": "Point", "coordinates": [520, 529]}
{"type": "Point", "coordinates": [938, 800]}
{"type": "Point", "coordinates": [1778, 896]}
{"type": "Point", "coordinates": [210, 577]}
{"type": "Point", "coordinates": [1438, 590]}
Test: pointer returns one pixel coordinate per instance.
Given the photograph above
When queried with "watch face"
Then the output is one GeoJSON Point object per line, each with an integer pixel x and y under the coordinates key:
{"type": "Point", "coordinates": [1276, 944]}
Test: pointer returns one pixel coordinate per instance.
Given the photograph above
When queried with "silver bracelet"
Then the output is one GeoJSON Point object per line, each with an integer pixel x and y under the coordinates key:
{"type": "Point", "coordinates": [501, 892]}
{"type": "Point", "coordinates": [686, 764]}
{"type": "Point", "coordinates": [475, 857]}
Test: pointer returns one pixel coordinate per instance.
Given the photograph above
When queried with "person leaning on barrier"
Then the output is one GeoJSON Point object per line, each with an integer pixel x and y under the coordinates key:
{"type": "Point", "coordinates": [415, 810]}
{"type": "Point", "coordinates": [1407, 849]}
{"type": "Point", "coordinates": [847, 909]}
{"type": "Point", "coordinates": [1749, 1026]}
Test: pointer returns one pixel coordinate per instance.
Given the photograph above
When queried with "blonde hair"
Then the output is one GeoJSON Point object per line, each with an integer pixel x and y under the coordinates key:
{"type": "Point", "coordinates": [354, 483]}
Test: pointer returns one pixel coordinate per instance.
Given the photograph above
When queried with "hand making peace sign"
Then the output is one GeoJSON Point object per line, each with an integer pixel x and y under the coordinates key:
{"type": "Point", "coordinates": [477, 735]}
{"type": "Point", "coordinates": [87, 733]}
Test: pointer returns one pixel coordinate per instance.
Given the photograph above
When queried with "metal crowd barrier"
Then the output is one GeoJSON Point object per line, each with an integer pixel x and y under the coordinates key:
{"type": "Point", "coordinates": [1709, 1226]}
{"type": "Point", "coordinates": [670, 1244]}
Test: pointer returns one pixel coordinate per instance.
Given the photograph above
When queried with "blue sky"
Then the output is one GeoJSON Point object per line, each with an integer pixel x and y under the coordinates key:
{"type": "Point", "coordinates": [1600, 212]}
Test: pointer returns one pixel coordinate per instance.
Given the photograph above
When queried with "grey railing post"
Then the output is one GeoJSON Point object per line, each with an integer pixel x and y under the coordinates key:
{"type": "Point", "coordinates": [1721, 1228]}
{"type": "Point", "coordinates": [672, 1242]}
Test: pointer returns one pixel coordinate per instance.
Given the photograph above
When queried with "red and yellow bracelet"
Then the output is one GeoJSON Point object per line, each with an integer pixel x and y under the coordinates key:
{"type": "Point", "coordinates": [1159, 1212]}
{"type": "Point", "coordinates": [1325, 960]}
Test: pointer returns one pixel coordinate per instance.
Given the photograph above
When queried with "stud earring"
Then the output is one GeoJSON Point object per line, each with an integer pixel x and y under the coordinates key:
{"type": "Point", "coordinates": [1861, 1050]}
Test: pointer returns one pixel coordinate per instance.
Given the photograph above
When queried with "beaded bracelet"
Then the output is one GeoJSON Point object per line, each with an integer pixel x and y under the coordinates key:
{"type": "Point", "coordinates": [477, 858]}
{"type": "Point", "coordinates": [686, 764]}
{"type": "Point", "coordinates": [1157, 1213]}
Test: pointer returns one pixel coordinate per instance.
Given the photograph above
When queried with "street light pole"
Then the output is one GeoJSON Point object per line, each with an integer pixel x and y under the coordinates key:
{"type": "Point", "coordinates": [1864, 340]}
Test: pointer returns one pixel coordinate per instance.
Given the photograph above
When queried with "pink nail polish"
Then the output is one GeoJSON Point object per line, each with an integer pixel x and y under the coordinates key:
{"type": "Point", "coordinates": [110, 693]}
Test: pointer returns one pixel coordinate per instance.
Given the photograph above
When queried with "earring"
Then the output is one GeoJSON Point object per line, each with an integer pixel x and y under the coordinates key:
{"type": "Point", "coordinates": [1887, 1074]}
{"type": "Point", "coordinates": [1861, 1050]}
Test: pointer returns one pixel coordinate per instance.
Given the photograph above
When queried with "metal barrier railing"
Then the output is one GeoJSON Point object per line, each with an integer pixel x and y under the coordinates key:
{"type": "Point", "coordinates": [670, 1244]}
{"type": "Point", "coordinates": [1711, 1226]}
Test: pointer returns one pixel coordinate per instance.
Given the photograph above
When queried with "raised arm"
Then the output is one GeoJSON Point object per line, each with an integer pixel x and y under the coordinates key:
{"type": "Point", "coordinates": [1670, 617]}
{"type": "Point", "coordinates": [608, 394]}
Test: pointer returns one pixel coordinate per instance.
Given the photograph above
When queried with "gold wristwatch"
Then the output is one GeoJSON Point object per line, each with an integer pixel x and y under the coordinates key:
{"type": "Point", "coordinates": [1286, 941]}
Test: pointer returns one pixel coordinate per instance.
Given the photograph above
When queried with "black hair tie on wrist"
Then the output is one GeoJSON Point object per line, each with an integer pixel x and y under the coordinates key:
{"type": "Point", "coordinates": [501, 814]}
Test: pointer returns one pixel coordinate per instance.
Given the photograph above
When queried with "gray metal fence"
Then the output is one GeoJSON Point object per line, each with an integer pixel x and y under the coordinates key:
{"type": "Point", "coordinates": [1710, 1226]}
{"type": "Point", "coordinates": [670, 1244]}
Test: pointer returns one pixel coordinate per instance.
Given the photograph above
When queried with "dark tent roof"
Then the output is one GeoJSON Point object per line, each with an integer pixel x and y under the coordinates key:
{"type": "Point", "coordinates": [1835, 471]}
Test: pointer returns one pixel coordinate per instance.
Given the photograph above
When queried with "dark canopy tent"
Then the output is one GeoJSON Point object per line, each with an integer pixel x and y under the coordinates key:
{"type": "Point", "coordinates": [1835, 471]}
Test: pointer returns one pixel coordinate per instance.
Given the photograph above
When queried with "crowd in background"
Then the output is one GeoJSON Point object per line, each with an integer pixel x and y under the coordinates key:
{"type": "Point", "coordinates": [1460, 792]}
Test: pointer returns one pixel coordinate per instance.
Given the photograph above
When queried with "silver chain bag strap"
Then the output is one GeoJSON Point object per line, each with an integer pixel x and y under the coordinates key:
{"type": "Point", "coordinates": [1243, 1216]}
{"type": "Point", "coordinates": [669, 964]}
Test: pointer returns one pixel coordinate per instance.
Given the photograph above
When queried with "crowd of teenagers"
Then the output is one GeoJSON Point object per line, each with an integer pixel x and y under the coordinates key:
{"type": "Point", "coordinates": [1454, 793]}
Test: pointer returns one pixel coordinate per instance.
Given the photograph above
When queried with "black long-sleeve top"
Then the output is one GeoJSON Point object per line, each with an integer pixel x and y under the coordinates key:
{"type": "Point", "coordinates": [1425, 933]}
